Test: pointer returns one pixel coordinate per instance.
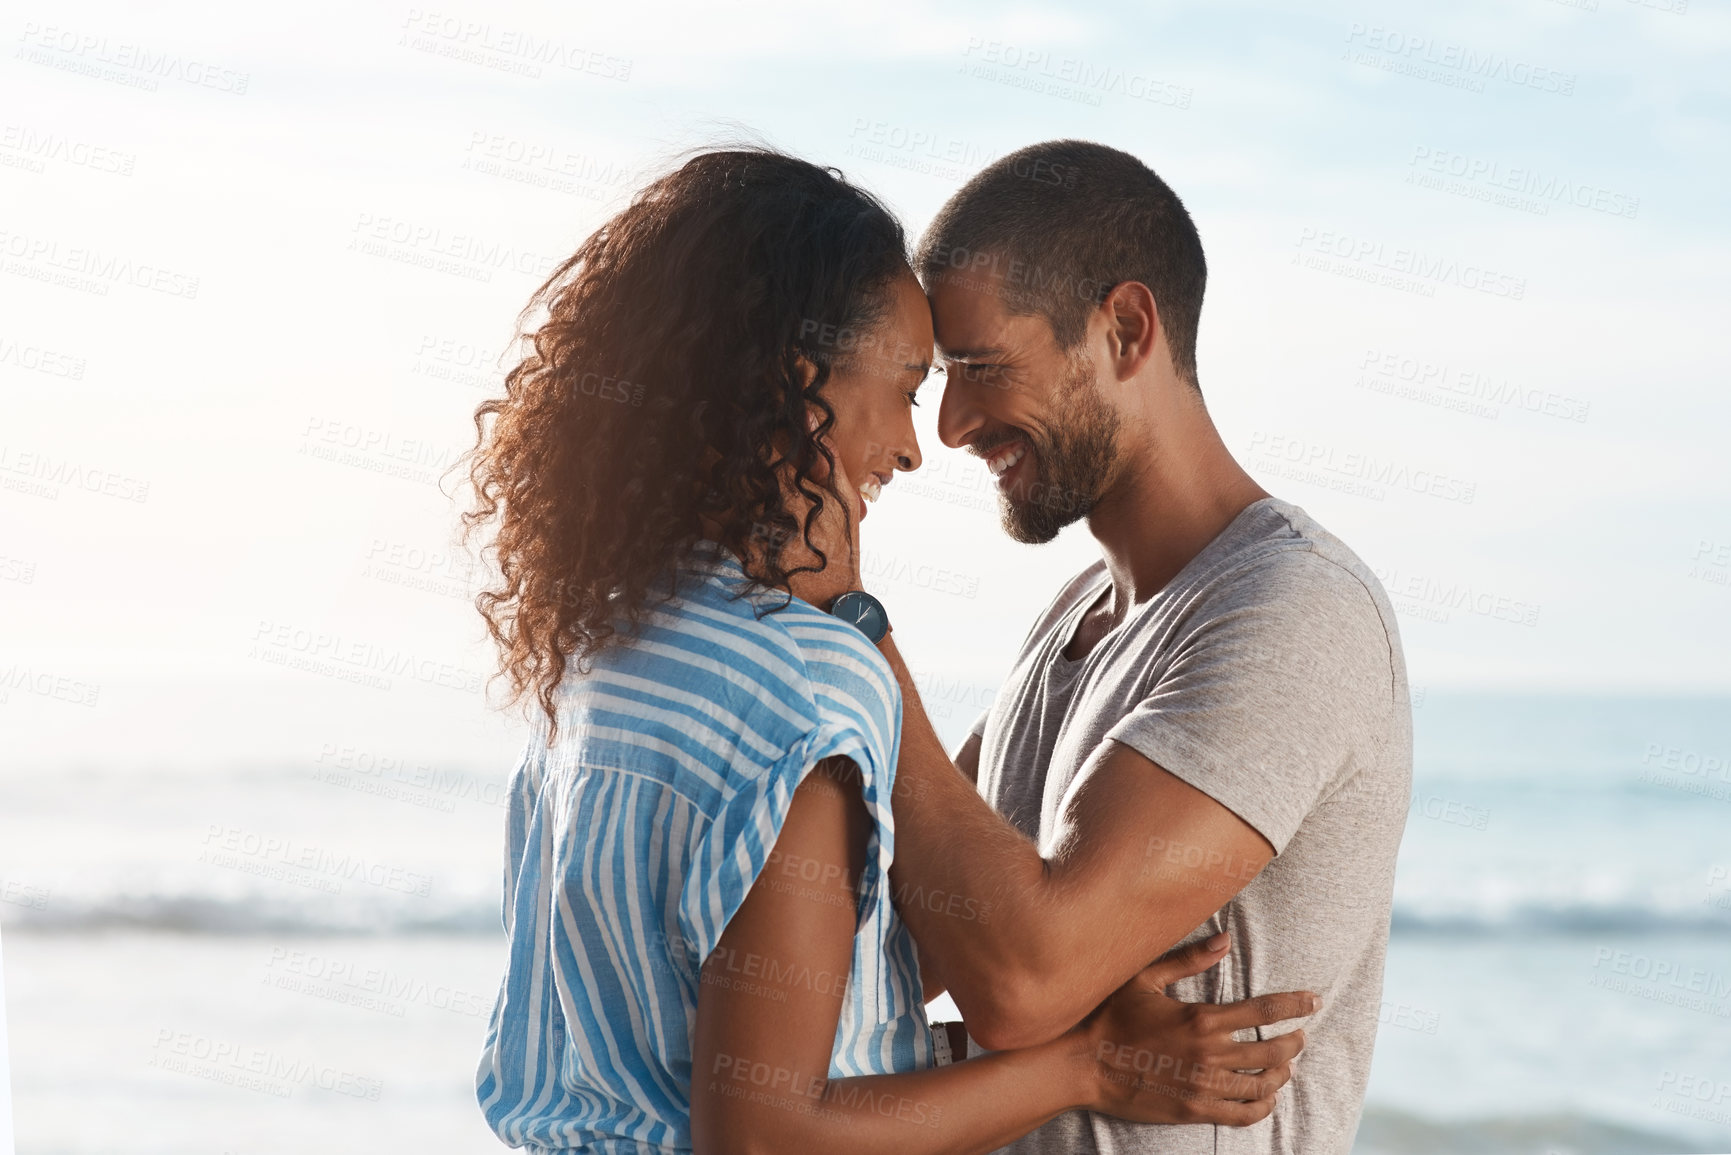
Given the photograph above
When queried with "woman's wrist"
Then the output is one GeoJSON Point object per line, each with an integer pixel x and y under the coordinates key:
{"type": "Point", "coordinates": [1070, 1061]}
{"type": "Point", "coordinates": [1067, 1062]}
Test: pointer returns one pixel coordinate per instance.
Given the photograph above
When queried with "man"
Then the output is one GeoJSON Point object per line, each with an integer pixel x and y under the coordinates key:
{"type": "Point", "coordinates": [1207, 730]}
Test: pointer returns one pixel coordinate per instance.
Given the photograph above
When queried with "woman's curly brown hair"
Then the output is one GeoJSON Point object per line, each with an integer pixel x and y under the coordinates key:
{"type": "Point", "coordinates": [666, 384]}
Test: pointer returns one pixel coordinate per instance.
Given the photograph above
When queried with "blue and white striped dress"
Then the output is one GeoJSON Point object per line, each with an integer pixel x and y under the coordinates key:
{"type": "Point", "coordinates": [632, 842]}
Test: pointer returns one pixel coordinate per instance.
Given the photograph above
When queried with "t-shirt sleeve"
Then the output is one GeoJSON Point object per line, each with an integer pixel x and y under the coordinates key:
{"type": "Point", "coordinates": [1282, 683]}
{"type": "Point", "coordinates": [978, 729]}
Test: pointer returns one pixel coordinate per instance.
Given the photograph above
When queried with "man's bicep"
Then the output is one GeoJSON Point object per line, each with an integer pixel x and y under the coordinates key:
{"type": "Point", "coordinates": [1132, 837]}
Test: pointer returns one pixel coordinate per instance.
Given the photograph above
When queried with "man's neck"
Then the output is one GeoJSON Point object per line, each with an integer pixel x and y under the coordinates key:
{"type": "Point", "coordinates": [1181, 487]}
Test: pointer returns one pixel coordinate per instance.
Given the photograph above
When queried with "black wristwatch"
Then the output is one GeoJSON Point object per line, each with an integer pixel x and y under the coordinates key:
{"type": "Point", "coordinates": [866, 613]}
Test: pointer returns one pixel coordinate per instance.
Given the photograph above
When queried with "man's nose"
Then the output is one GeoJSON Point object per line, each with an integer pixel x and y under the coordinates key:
{"type": "Point", "coordinates": [959, 419]}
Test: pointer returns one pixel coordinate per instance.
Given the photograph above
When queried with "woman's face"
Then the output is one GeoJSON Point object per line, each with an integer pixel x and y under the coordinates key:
{"type": "Point", "coordinates": [872, 387]}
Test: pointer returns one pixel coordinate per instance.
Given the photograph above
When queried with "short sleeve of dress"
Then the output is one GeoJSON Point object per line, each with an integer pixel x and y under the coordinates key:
{"type": "Point", "coordinates": [522, 789]}
{"type": "Point", "coordinates": [857, 704]}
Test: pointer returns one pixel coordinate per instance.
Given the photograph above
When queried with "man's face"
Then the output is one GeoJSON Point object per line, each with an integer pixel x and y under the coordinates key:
{"type": "Point", "coordinates": [1031, 410]}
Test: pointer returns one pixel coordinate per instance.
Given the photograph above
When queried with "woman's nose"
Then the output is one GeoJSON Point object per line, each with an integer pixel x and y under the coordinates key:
{"type": "Point", "coordinates": [908, 459]}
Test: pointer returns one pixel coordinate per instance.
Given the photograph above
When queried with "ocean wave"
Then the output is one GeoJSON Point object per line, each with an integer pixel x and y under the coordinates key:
{"type": "Point", "coordinates": [1559, 919]}
{"type": "Point", "coordinates": [252, 914]}
{"type": "Point", "coordinates": [1389, 1132]}
{"type": "Point", "coordinates": [345, 914]}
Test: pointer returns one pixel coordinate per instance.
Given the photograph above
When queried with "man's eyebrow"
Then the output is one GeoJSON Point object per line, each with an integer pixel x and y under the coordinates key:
{"type": "Point", "coordinates": [971, 354]}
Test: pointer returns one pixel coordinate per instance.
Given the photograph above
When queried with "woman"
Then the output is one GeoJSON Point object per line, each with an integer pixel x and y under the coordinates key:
{"type": "Point", "coordinates": [703, 949]}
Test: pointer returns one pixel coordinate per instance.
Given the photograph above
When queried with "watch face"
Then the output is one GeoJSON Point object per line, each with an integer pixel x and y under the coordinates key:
{"type": "Point", "coordinates": [864, 611]}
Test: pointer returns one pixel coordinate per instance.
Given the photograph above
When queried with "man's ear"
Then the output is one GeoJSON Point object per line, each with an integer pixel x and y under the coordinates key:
{"type": "Point", "coordinates": [1133, 327]}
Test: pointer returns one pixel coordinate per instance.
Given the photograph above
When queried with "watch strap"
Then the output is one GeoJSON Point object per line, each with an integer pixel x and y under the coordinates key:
{"type": "Point", "coordinates": [941, 1054]}
{"type": "Point", "coordinates": [945, 1043]}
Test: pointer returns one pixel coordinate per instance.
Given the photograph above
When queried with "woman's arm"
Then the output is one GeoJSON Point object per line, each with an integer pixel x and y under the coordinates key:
{"type": "Point", "coordinates": [968, 762]}
{"type": "Point", "coordinates": [771, 995]}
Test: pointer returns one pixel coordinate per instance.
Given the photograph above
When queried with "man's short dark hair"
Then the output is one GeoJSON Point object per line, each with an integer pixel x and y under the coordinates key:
{"type": "Point", "coordinates": [1064, 222]}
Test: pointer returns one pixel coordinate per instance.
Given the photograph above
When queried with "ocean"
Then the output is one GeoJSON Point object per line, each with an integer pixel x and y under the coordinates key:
{"type": "Point", "coordinates": [303, 959]}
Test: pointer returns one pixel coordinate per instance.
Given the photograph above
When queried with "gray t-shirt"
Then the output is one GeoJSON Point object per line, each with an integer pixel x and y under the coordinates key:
{"type": "Point", "coordinates": [1268, 674]}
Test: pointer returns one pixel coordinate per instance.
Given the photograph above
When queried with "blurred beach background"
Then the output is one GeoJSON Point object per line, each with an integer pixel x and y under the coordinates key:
{"type": "Point", "coordinates": [253, 951]}
{"type": "Point", "coordinates": [256, 271]}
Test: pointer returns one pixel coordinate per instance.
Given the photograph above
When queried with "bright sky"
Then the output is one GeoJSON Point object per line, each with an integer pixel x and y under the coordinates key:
{"type": "Point", "coordinates": [1467, 285]}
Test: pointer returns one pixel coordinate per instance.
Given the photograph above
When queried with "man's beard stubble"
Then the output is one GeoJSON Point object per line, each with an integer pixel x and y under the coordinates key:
{"type": "Point", "coordinates": [1075, 458]}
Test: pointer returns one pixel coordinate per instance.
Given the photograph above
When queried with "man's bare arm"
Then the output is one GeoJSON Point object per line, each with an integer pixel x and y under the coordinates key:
{"type": "Point", "coordinates": [1029, 944]}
